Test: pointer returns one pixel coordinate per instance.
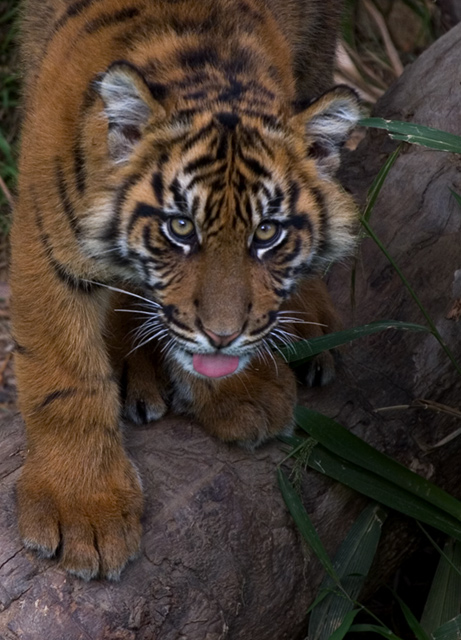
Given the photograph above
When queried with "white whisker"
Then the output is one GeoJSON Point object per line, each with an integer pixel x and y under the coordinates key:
{"type": "Point", "coordinates": [128, 293]}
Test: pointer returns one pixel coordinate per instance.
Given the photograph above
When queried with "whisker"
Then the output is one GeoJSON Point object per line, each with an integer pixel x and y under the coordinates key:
{"type": "Point", "coordinates": [128, 293]}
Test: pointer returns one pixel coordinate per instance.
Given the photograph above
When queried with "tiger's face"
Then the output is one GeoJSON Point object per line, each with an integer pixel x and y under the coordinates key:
{"type": "Point", "coordinates": [218, 215]}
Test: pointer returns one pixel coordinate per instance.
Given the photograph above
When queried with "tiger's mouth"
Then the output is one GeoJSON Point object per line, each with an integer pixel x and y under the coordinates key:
{"type": "Point", "coordinates": [215, 365]}
{"type": "Point", "coordinates": [211, 365]}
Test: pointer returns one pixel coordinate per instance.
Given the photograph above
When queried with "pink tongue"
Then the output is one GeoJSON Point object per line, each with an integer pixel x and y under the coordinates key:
{"type": "Point", "coordinates": [214, 365]}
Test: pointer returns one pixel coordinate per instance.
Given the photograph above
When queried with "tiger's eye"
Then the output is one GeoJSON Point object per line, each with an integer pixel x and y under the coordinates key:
{"type": "Point", "coordinates": [181, 228]}
{"type": "Point", "coordinates": [267, 233]}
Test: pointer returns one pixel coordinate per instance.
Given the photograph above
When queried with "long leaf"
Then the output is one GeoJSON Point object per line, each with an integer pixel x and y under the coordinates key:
{"type": "Point", "coordinates": [384, 491]}
{"type": "Point", "coordinates": [374, 190]}
{"type": "Point", "coordinates": [412, 622]}
{"type": "Point", "coordinates": [449, 631]}
{"type": "Point", "coordinates": [352, 563]}
{"type": "Point", "coordinates": [344, 627]}
{"type": "Point", "coordinates": [416, 134]}
{"type": "Point", "coordinates": [302, 351]}
{"type": "Point", "coordinates": [304, 524]}
{"type": "Point", "coordinates": [373, 628]}
{"type": "Point", "coordinates": [444, 599]}
{"type": "Point", "coordinates": [343, 443]}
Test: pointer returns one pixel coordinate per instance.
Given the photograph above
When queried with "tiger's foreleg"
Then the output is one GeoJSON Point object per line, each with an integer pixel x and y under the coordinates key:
{"type": "Point", "coordinates": [78, 494]}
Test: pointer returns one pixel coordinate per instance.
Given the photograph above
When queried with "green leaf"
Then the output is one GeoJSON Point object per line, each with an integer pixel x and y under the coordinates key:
{"type": "Point", "coordinates": [449, 631]}
{"type": "Point", "coordinates": [412, 622]}
{"type": "Point", "coordinates": [352, 563]}
{"type": "Point", "coordinates": [444, 599]}
{"type": "Point", "coordinates": [344, 627]}
{"type": "Point", "coordinates": [304, 523]}
{"type": "Point", "coordinates": [343, 443]}
{"type": "Point", "coordinates": [381, 490]}
{"type": "Point", "coordinates": [302, 351]}
{"type": "Point", "coordinates": [373, 628]}
{"type": "Point", "coordinates": [378, 182]}
{"type": "Point", "coordinates": [456, 197]}
{"type": "Point", "coordinates": [416, 134]}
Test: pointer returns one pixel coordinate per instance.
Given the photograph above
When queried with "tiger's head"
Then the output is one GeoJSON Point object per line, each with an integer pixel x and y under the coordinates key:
{"type": "Point", "coordinates": [218, 212]}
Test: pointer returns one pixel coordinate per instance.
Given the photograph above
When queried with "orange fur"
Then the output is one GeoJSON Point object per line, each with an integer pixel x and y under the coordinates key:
{"type": "Point", "coordinates": [142, 118]}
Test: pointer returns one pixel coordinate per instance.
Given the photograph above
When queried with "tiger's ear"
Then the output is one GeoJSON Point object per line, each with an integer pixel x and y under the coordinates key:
{"type": "Point", "coordinates": [326, 124]}
{"type": "Point", "coordinates": [129, 106]}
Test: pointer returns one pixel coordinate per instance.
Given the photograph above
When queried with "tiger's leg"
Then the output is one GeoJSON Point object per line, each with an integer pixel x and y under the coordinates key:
{"type": "Point", "coordinates": [78, 492]}
{"type": "Point", "coordinates": [136, 358]}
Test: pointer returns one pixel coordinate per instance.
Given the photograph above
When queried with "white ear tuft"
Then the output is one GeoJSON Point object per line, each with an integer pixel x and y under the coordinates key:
{"type": "Point", "coordinates": [128, 105]}
{"type": "Point", "coordinates": [327, 123]}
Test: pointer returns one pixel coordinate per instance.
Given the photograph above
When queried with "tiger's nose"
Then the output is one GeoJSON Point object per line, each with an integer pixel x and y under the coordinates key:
{"type": "Point", "coordinates": [220, 340]}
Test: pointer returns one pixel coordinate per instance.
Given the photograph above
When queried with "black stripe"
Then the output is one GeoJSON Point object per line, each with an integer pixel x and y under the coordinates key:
{"type": "Point", "coordinates": [293, 196]}
{"type": "Point", "coordinates": [199, 163]}
{"type": "Point", "coordinates": [198, 57]}
{"type": "Point", "coordinates": [108, 19]}
{"type": "Point", "coordinates": [178, 197]}
{"type": "Point", "coordinates": [324, 231]}
{"type": "Point", "coordinates": [59, 269]}
{"type": "Point", "coordinates": [155, 251]}
{"type": "Point", "coordinates": [255, 166]}
{"type": "Point", "coordinates": [299, 222]}
{"type": "Point", "coordinates": [198, 136]}
{"type": "Point", "coordinates": [291, 256]}
{"type": "Point", "coordinates": [18, 348]}
{"type": "Point", "coordinates": [201, 178]}
{"type": "Point", "coordinates": [239, 212]}
{"type": "Point", "coordinates": [254, 135]}
{"type": "Point", "coordinates": [275, 202]}
{"type": "Point", "coordinates": [143, 210]}
{"type": "Point", "coordinates": [60, 394]}
{"type": "Point", "coordinates": [110, 234]}
{"type": "Point", "coordinates": [65, 199]}
{"type": "Point", "coordinates": [157, 185]}
{"type": "Point", "coordinates": [75, 9]}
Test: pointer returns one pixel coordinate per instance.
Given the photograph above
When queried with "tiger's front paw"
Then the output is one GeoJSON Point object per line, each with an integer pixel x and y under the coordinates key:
{"type": "Point", "coordinates": [249, 407]}
{"type": "Point", "coordinates": [91, 523]}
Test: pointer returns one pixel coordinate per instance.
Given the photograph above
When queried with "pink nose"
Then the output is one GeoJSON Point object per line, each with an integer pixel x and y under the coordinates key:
{"type": "Point", "coordinates": [220, 340]}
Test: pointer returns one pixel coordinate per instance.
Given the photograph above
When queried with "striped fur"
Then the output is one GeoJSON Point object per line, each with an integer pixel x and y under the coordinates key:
{"type": "Point", "coordinates": [143, 117]}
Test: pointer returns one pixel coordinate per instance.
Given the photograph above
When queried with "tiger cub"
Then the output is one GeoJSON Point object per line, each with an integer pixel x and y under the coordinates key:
{"type": "Point", "coordinates": [176, 192]}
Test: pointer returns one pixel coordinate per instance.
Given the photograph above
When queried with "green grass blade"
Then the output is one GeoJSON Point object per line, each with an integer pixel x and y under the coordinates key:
{"type": "Point", "coordinates": [381, 490]}
{"type": "Point", "coordinates": [344, 627]}
{"type": "Point", "coordinates": [303, 350]}
{"type": "Point", "coordinates": [412, 622]}
{"type": "Point", "coordinates": [345, 444]}
{"type": "Point", "coordinates": [352, 564]}
{"type": "Point", "coordinates": [411, 291]}
{"type": "Point", "coordinates": [416, 134]}
{"type": "Point", "coordinates": [444, 599]}
{"type": "Point", "coordinates": [378, 182]}
{"type": "Point", "coordinates": [373, 628]}
{"type": "Point", "coordinates": [304, 523]}
{"type": "Point", "coordinates": [456, 197]}
{"type": "Point", "coordinates": [449, 631]}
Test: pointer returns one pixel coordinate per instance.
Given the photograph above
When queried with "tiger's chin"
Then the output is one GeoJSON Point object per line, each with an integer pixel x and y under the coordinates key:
{"type": "Point", "coordinates": [210, 365]}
